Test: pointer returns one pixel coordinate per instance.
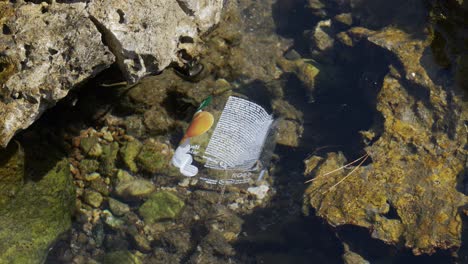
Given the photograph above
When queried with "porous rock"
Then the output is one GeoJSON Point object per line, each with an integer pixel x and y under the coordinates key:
{"type": "Point", "coordinates": [50, 48]}
{"type": "Point", "coordinates": [407, 195]}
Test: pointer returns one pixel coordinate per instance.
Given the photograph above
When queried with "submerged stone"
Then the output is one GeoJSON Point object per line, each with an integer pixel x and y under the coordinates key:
{"type": "Point", "coordinates": [161, 205]}
{"type": "Point", "coordinates": [108, 158]}
{"type": "Point", "coordinates": [92, 176]}
{"type": "Point", "coordinates": [120, 257]}
{"type": "Point", "coordinates": [93, 198]}
{"type": "Point", "coordinates": [136, 188]}
{"type": "Point", "coordinates": [154, 156]}
{"type": "Point", "coordinates": [11, 171]}
{"type": "Point", "coordinates": [90, 146]}
{"type": "Point", "coordinates": [88, 166]}
{"type": "Point", "coordinates": [118, 208]}
{"type": "Point", "coordinates": [407, 195]}
{"type": "Point", "coordinates": [128, 152]}
{"type": "Point", "coordinates": [36, 216]}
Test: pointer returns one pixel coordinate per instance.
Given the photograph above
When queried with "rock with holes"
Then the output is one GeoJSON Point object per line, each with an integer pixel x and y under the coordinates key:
{"type": "Point", "coordinates": [146, 35]}
{"type": "Point", "coordinates": [49, 48]}
{"type": "Point", "coordinates": [407, 195]}
{"type": "Point", "coordinates": [46, 51]}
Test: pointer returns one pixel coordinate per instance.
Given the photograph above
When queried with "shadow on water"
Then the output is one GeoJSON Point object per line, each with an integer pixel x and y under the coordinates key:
{"type": "Point", "coordinates": [281, 233]}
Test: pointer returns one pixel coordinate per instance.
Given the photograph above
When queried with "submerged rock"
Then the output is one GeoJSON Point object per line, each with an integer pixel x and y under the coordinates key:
{"type": "Point", "coordinates": [93, 198]}
{"type": "Point", "coordinates": [407, 195]}
{"type": "Point", "coordinates": [36, 216]}
{"type": "Point", "coordinates": [136, 188]}
{"type": "Point", "coordinates": [128, 152]}
{"type": "Point", "coordinates": [130, 187]}
{"type": "Point", "coordinates": [11, 172]}
{"type": "Point", "coordinates": [118, 208]}
{"type": "Point", "coordinates": [161, 205]}
{"type": "Point", "coordinates": [120, 257]}
{"type": "Point", "coordinates": [154, 156]}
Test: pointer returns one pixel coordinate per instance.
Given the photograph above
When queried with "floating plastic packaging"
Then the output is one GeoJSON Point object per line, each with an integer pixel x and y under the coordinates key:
{"type": "Point", "coordinates": [232, 146]}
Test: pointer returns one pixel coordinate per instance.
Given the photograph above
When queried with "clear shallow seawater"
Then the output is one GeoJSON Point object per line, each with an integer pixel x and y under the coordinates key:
{"type": "Point", "coordinates": [343, 104]}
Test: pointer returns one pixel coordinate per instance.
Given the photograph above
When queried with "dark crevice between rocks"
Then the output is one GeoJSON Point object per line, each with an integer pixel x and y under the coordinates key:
{"type": "Point", "coordinates": [185, 8]}
{"type": "Point", "coordinates": [38, 1]}
{"type": "Point", "coordinates": [111, 42]}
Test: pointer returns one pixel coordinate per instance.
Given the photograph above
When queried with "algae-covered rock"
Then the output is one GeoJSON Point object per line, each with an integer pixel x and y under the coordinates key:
{"type": "Point", "coordinates": [128, 152]}
{"type": "Point", "coordinates": [93, 198]}
{"type": "Point", "coordinates": [100, 186]}
{"type": "Point", "coordinates": [407, 195]}
{"type": "Point", "coordinates": [305, 71]}
{"type": "Point", "coordinates": [350, 257]}
{"type": "Point", "coordinates": [136, 188]}
{"type": "Point", "coordinates": [161, 206]}
{"type": "Point", "coordinates": [108, 158]}
{"type": "Point", "coordinates": [120, 257]}
{"type": "Point", "coordinates": [36, 216]}
{"type": "Point", "coordinates": [88, 166]}
{"type": "Point", "coordinates": [157, 120]}
{"type": "Point", "coordinates": [289, 133]}
{"type": "Point", "coordinates": [90, 146]}
{"type": "Point", "coordinates": [118, 208]}
{"type": "Point", "coordinates": [320, 37]}
{"type": "Point", "coordinates": [11, 171]}
{"type": "Point", "coordinates": [154, 156]}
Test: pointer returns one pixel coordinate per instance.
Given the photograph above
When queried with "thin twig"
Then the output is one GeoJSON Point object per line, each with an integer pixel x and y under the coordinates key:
{"type": "Point", "coordinates": [113, 84]}
{"type": "Point", "coordinates": [340, 168]}
{"type": "Point", "coordinates": [349, 174]}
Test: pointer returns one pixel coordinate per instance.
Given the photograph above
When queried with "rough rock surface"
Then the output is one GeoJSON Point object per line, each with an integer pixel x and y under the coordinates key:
{"type": "Point", "coordinates": [407, 194]}
{"type": "Point", "coordinates": [47, 49]}
{"type": "Point", "coordinates": [52, 49]}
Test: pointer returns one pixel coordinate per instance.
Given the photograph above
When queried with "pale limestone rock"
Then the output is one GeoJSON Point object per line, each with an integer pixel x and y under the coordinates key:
{"type": "Point", "coordinates": [48, 49]}
{"type": "Point", "coordinates": [146, 35]}
{"type": "Point", "coordinates": [55, 48]}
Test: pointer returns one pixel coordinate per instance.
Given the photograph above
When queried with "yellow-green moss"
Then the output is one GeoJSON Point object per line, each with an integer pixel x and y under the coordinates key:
{"type": "Point", "coordinates": [36, 216]}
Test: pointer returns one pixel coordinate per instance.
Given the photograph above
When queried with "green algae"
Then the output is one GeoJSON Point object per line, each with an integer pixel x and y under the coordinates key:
{"type": "Point", "coordinates": [120, 257]}
{"type": "Point", "coordinates": [128, 153]}
{"type": "Point", "coordinates": [36, 216]}
{"type": "Point", "coordinates": [91, 146]}
{"type": "Point", "coordinates": [89, 166]}
{"type": "Point", "coordinates": [161, 205]}
{"type": "Point", "coordinates": [11, 171]}
{"type": "Point", "coordinates": [108, 158]}
{"type": "Point", "coordinates": [154, 157]}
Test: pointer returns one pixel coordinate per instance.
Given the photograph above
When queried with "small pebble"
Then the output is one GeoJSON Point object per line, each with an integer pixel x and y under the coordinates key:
{"type": "Point", "coordinates": [92, 176]}
{"type": "Point", "coordinates": [260, 192]}
{"type": "Point", "coordinates": [93, 198]}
